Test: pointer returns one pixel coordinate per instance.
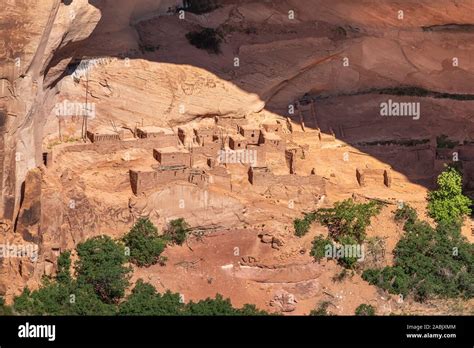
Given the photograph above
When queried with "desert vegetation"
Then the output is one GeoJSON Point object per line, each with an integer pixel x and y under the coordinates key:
{"type": "Point", "coordinates": [98, 285]}
{"type": "Point", "coordinates": [365, 310]}
{"type": "Point", "coordinates": [145, 244]}
{"type": "Point", "coordinates": [346, 222]}
{"type": "Point", "coordinates": [447, 203]}
{"type": "Point", "coordinates": [321, 310]}
{"type": "Point", "coordinates": [432, 261]}
{"type": "Point", "coordinates": [206, 39]}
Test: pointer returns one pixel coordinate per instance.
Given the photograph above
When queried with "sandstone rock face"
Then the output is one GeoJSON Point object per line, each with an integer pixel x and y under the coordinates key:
{"type": "Point", "coordinates": [132, 60]}
{"type": "Point", "coordinates": [31, 34]}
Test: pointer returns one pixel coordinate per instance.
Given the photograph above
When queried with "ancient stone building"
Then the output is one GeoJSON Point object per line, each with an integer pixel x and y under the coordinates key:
{"type": "Point", "coordinates": [153, 132]}
{"type": "Point", "coordinates": [272, 141]}
{"type": "Point", "coordinates": [172, 173]}
{"type": "Point", "coordinates": [263, 176]}
{"type": "Point", "coordinates": [250, 133]}
{"type": "Point", "coordinates": [260, 176]}
{"type": "Point", "coordinates": [229, 122]}
{"type": "Point", "coordinates": [204, 135]}
{"type": "Point", "coordinates": [276, 128]}
{"type": "Point", "coordinates": [209, 149]}
{"type": "Point", "coordinates": [260, 154]}
{"type": "Point", "coordinates": [142, 181]}
{"type": "Point", "coordinates": [237, 142]}
{"type": "Point", "coordinates": [374, 175]}
{"type": "Point", "coordinates": [198, 177]}
{"type": "Point", "coordinates": [105, 134]}
{"type": "Point", "coordinates": [172, 156]}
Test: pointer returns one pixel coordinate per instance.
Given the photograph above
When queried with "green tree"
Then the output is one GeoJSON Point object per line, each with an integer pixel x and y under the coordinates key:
{"type": "Point", "coordinates": [102, 264]}
{"type": "Point", "coordinates": [145, 300]}
{"type": "Point", "coordinates": [302, 225]}
{"type": "Point", "coordinates": [86, 302]}
{"type": "Point", "coordinates": [63, 274]}
{"type": "Point", "coordinates": [428, 261]}
{"type": "Point", "coordinates": [448, 203]}
{"type": "Point", "coordinates": [406, 213]}
{"type": "Point", "coordinates": [393, 279]}
{"type": "Point", "coordinates": [4, 309]}
{"type": "Point", "coordinates": [220, 306]}
{"type": "Point", "coordinates": [320, 245]}
{"type": "Point", "coordinates": [251, 310]}
{"type": "Point", "coordinates": [321, 310]}
{"type": "Point", "coordinates": [207, 39]}
{"type": "Point", "coordinates": [145, 244]}
{"type": "Point", "coordinates": [348, 244]}
{"type": "Point", "coordinates": [53, 297]}
{"type": "Point", "coordinates": [348, 218]}
{"type": "Point", "coordinates": [365, 310]}
{"type": "Point", "coordinates": [101, 280]}
{"type": "Point", "coordinates": [50, 299]}
{"type": "Point", "coordinates": [177, 231]}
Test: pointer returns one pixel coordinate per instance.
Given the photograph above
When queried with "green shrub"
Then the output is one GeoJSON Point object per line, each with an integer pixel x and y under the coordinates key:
{"type": "Point", "coordinates": [220, 306]}
{"type": "Point", "coordinates": [63, 274]}
{"type": "Point", "coordinates": [393, 279]}
{"type": "Point", "coordinates": [207, 39]}
{"type": "Point", "coordinates": [348, 218]}
{"type": "Point", "coordinates": [50, 299]}
{"type": "Point", "coordinates": [101, 264]}
{"type": "Point", "coordinates": [448, 203]}
{"type": "Point", "coordinates": [320, 245]}
{"type": "Point", "coordinates": [88, 303]}
{"type": "Point", "coordinates": [217, 306]}
{"type": "Point", "coordinates": [365, 310]}
{"type": "Point", "coordinates": [321, 310]}
{"type": "Point", "coordinates": [340, 276]}
{"type": "Point", "coordinates": [177, 231]}
{"type": "Point", "coordinates": [62, 296]}
{"type": "Point", "coordinates": [429, 262]}
{"type": "Point", "coordinates": [99, 289]}
{"type": "Point", "coordinates": [347, 222]}
{"type": "Point", "coordinates": [348, 261]}
{"type": "Point", "coordinates": [406, 213]}
{"type": "Point", "coordinates": [4, 309]}
{"type": "Point", "coordinates": [443, 142]}
{"type": "Point", "coordinates": [325, 248]}
{"type": "Point", "coordinates": [145, 244]}
{"type": "Point", "coordinates": [302, 225]}
{"type": "Point", "coordinates": [145, 300]}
